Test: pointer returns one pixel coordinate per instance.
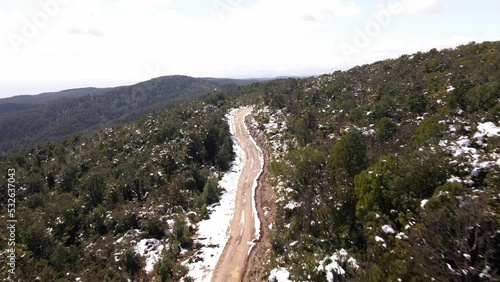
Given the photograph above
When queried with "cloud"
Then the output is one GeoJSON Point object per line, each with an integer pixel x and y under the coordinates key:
{"type": "Point", "coordinates": [136, 5]}
{"type": "Point", "coordinates": [418, 7]}
{"type": "Point", "coordinates": [308, 18]}
{"type": "Point", "coordinates": [91, 32]}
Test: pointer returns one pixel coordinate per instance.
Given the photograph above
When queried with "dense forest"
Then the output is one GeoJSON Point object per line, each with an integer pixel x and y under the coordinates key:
{"type": "Point", "coordinates": [149, 179]}
{"type": "Point", "coordinates": [389, 171]}
{"type": "Point", "coordinates": [31, 120]}
{"type": "Point", "coordinates": [385, 172]}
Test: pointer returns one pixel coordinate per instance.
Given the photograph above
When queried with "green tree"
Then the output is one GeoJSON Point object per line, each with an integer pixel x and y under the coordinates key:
{"type": "Point", "coordinates": [386, 129]}
{"type": "Point", "coordinates": [132, 262]}
{"type": "Point", "coordinates": [211, 191]}
{"type": "Point", "coordinates": [181, 231]}
{"type": "Point", "coordinates": [417, 103]}
{"type": "Point", "coordinates": [348, 155]}
{"type": "Point", "coordinates": [94, 186]}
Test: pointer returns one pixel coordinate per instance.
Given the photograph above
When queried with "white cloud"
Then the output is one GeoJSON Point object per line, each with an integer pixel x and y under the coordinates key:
{"type": "Point", "coordinates": [417, 7]}
{"type": "Point", "coordinates": [92, 32]}
{"type": "Point", "coordinates": [140, 5]}
{"type": "Point", "coordinates": [156, 37]}
{"type": "Point", "coordinates": [272, 11]}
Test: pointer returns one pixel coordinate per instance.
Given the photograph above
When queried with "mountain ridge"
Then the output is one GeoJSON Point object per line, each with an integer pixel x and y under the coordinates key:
{"type": "Point", "coordinates": [30, 120]}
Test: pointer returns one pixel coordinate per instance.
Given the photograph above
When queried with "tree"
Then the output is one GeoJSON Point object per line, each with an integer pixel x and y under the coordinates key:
{"type": "Point", "coordinates": [306, 163]}
{"type": "Point", "coordinates": [181, 231]}
{"type": "Point", "coordinates": [94, 186]}
{"type": "Point", "coordinates": [386, 129]}
{"type": "Point", "coordinates": [211, 191]}
{"type": "Point", "coordinates": [417, 103]}
{"type": "Point", "coordinates": [348, 155]}
{"type": "Point", "coordinates": [456, 237]}
{"type": "Point", "coordinates": [373, 188]}
{"type": "Point", "coordinates": [131, 262]}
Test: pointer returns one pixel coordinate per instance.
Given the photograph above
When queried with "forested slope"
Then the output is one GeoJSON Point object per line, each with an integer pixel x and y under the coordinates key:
{"type": "Point", "coordinates": [389, 171]}
{"type": "Point", "coordinates": [112, 205]}
{"type": "Point", "coordinates": [49, 118]}
{"type": "Point", "coordinates": [385, 172]}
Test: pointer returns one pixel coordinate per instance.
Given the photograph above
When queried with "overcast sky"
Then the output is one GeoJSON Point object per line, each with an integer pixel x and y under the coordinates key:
{"type": "Point", "coordinates": [49, 45]}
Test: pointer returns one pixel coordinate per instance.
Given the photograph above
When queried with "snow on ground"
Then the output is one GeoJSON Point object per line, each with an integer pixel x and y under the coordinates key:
{"type": "Point", "coordinates": [423, 203]}
{"type": "Point", "coordinates": [279, 275]}
{"type": "Point", "coordinates": [254, 187]}
{"type": "Point", "coordinates": [150, 250]}
{"type": "Point", "coordinates": [387, 229]}
{"type": "Point", "coordinates": [472, 154]}
{"type": "Point", "coordinates": [337, 264]}
{"type": "Point", "coordinates": [489, 129]}
{"type": "Point", "coordinates": [212, 233]}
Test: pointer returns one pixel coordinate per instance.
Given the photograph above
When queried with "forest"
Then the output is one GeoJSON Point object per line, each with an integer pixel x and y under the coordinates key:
{"type": "Point", "coordinates": [385, 172]}
{"type": "Point", "coordinates": [28, 121]}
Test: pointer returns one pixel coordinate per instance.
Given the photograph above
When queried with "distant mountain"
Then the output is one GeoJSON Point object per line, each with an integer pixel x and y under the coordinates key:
{"type": "Point", "coordinates": [24, 102]}
{"type": "Point", "coordinates": [30, 120]}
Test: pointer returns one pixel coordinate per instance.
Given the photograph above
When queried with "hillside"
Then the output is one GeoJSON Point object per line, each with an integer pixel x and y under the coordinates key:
{"type": "Point", "coordinates": [385, 172]}
{"type": "Point", "coordinates": [32, 120]}
{"type": "Point", "coordinates": [87, 205]}
{"type": "Point", "coordinates": [388, 171]}
{"type": "Point", "coordinates": [25, 102]}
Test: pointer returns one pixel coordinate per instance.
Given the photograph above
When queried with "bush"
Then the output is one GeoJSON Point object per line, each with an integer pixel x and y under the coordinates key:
{"type": "Point", "coordinates": [154, 228]}
{"type": "Point", "coordinates": [181, 231]}
{"type": "Point", "coordinates": [386, 129]}
{"type": "Point", "coordinates": [348, 155]}
{"type": "Point", "coordinates": [131, 262]}
{"type": "Point", "coordinates": [417, 103]}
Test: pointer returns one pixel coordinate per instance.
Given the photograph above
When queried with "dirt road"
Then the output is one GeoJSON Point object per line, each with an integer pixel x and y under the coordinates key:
{"type": "Point", "coordinates": [242, 229]}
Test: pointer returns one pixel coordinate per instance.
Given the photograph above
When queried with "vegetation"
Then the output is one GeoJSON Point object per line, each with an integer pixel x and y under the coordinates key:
{"type": "Point", "coordinates": [373, 166]}
{"type": "Point", "coordinates": [379, 168]}
{"type": "Point", "coordinates": [86, 200]}
{"type": "Point", "coordinates": [31, 120]}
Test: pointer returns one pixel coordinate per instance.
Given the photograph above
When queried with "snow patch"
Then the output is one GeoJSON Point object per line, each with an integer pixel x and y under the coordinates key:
{"type": "Point", "coordinates": [489, 129]}
{"type": "Point", "coordinates": [338, 263]}
{"type": "Point", "coordinates": [423, 203]}
{"type": "Point", "coordinates": [279, 275]}
{"type": "Point", "coordinates": [387, 229]}
{"type": "Point", "coordinates": [255, 183]}
{"type": "Point", "coordinates": [212, 233]}
{"type": "Point", "coordinates": [151, 250]}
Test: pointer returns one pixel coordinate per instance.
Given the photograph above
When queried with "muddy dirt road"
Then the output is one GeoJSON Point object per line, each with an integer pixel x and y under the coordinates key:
{"type": "Point", "coordinates": [242, 229]}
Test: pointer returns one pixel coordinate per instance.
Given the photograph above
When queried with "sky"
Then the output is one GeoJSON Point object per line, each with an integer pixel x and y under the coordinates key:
{"type": "Point", "coordinates": [50, 45]}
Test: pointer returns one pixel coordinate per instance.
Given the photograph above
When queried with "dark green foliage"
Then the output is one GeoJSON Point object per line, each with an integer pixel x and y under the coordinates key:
{"type": "Point", "coordinates": [211, 192]}
{"type": "Point", "coordinates": [94, 186]}
{"type": "Point", "coordinates": [385, 129]}
{"type": "Point", "coordinates": [446, 236]}
{"type": "Point", "coordinates": [131, 262]}
{"type": "Point", "coordinates": [37, 240]}
{"type": "Point", "coordinates": [428, 130]}
{"type": "Point", "coordinates": [168, 270]}
{"type": "Point", "coordinates": [398, 183]}
{"type": "Point", "coordinates": [85, 193]}
{"type": "Point", "coordinates": [55, 116]}
{"type": "Point", "coordinates": [400, 110]}
{"type": "Point", "coordinates": [307, 162]}
{"type": "Point", "coordinates": [182, 232]}
{"type": "Point", "coordinates": [154, 228]}
{"type": "Point", "coordinates": [417, 103]}
{"type": "Point", "coordinates": [348, 155]}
